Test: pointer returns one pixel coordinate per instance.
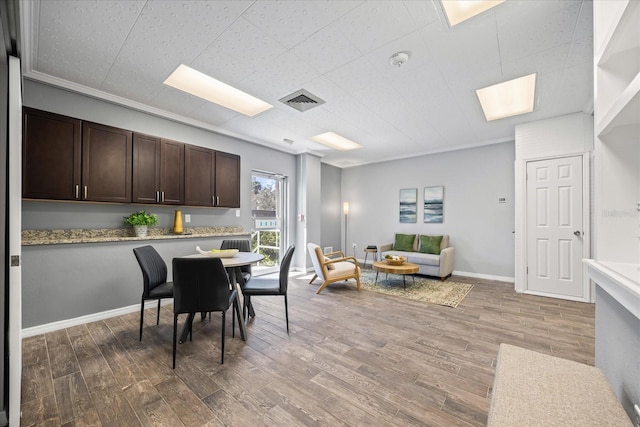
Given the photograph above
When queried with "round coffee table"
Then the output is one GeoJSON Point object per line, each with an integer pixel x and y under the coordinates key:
{"type": "Point", "coordinates": [403, 270]}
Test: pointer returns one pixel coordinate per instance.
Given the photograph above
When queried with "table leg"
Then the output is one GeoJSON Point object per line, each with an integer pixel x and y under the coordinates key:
{"type": "Point", "coordinates": [240, 280]}
{"type": "Point", "coordinates": [239, 316]}
{"type": "Point", "coordinates": [186, 327]}
{"type": "Point", "coordinates": [404, 281]}
{"type": "Point", "coordinates": [237, 281]}
{"type": "Point", "coordinates": [377, 272]}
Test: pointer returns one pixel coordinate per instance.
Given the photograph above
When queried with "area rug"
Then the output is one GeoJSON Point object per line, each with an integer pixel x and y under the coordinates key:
{"type": "Point", "coordinates": [445, 293]}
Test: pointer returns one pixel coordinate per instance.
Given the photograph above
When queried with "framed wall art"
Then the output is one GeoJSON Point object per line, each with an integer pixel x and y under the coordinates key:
{"type": "Point", "coordinates": [433, 204]}
{"type": "Point", "coordinates": [408, 205]}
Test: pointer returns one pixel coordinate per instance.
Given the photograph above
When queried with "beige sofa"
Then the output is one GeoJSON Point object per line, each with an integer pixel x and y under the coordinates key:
{"type": "Point", "coordinates": [438, 265]}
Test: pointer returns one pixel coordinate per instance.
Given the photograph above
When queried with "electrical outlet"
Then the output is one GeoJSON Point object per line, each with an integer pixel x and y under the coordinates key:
{"type": "Point", "coordinates": [636, 408]}
{"type": "Point", "coordinates": [187, 218]}
{"type": "Point", "coordinates": [353, 245]}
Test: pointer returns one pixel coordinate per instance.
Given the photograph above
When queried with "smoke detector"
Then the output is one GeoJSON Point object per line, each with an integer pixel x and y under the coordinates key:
{"type": "Point", "coordinates": [398, 59]}
{"type": "Point", "coordinates": [288, 141]}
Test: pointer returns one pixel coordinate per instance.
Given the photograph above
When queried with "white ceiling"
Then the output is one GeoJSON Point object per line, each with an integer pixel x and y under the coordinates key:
{"type": "Point", "coordinates": [338, 50]}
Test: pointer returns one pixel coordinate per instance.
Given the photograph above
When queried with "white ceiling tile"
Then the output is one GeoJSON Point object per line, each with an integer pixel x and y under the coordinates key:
{"type": "Point", "coordinates": [525, 37]}
{"type": "Point", "coordinates": [422, 12]}
{"type": "Point", "coordinates": [550, 60]}
{"type": "Point", "coordinates": [290, 22]}
{"type": "Point", "coordinates": [375, 23]}
{"type": "Point", "coordinates": [581, 52]}
{"type": "Point", "coordinates": [79, 40]}
{"type": "Point", "coordinates": [327, 49]}
{"type": "Point", "coordinates": [248, 44]}
{"type": "Point", "coordinates": [465, 52]}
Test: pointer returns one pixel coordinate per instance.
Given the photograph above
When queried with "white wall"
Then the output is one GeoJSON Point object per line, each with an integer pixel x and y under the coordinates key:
{"type": "Point", "coordinates": [570, 134]}
{"type": "Point", "coordinates": [481, 229]}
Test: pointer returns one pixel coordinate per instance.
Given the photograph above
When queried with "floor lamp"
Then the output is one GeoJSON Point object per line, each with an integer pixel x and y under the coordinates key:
{"type": "Point", "coordinates": [345, 211]}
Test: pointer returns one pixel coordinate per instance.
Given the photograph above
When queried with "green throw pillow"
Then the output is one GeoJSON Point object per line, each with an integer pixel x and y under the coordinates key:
{"type": "Point", "coordinates": [404, 242]}
{"type": "Point", "coordinates": [430, 244]}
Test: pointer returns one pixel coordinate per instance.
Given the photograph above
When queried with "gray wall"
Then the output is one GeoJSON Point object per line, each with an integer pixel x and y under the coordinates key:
{"type": "Point", "coordinates": [63, 282]}
{"type": "Point", "coordinates": [618, 348]}
{"type": "Point", "coordinates": [331, 196]}
{"type": "Point", "coordinates": [481, 229]}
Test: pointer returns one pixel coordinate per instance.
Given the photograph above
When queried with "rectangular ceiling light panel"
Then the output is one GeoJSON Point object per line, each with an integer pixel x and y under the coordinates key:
{"type": "Point", "coordinates": [461, 10]}
{"type": "Point", "coordinates": [335, 141]}
{"type": "Point", "coordinates": [508, 98]}
{"type": "Point", "coordinates": [206, 87]}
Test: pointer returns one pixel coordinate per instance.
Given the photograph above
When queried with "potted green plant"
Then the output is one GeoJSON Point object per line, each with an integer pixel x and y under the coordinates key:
{"type": "Point", "coordinates": [140, 221]}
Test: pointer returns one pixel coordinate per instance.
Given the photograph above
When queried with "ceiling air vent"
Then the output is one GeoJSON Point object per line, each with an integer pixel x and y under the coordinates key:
{"type": "Point", "coordinates": [302, 100]}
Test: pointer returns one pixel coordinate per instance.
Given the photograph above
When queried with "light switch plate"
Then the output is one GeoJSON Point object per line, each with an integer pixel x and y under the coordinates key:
{"type": "Point", "coordinates": [238, 213]}
{"type": "Point", "coordinates": [187, 218]}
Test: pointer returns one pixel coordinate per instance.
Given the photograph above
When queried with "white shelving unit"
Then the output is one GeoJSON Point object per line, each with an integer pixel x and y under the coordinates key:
{"type": "Point", "coordinates": [616, 267]}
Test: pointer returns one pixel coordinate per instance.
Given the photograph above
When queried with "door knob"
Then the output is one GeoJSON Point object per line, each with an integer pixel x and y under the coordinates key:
{"type": "Point", "coordinates": [577, 233]}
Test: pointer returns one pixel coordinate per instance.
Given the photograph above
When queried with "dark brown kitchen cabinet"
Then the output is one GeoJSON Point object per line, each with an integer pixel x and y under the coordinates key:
{"type": "Point", "coordinates": [158, 170]}
{"type": "Point", "coordinates": [51, 161]}
{"type": "Point", "coordinates": [212, 178]}
{"type": "Point", "coordinates": [106, 163]}
{"type": "Point", "coordinates": [199, 176]}
{"type": "Point", "coordinates": [227, 182]}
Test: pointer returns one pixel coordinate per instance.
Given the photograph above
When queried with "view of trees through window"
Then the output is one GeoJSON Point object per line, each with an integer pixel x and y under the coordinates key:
{"type": "Point", "coordinates": [265, 204]}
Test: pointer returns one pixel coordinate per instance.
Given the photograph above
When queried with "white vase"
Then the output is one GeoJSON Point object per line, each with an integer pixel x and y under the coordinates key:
{"type": "Point", "coordinates": [140, 230]}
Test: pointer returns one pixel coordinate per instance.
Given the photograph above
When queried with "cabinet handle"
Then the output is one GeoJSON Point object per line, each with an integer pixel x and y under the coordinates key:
{"type": "Point", "coordinates": [77, 191]}
{"type": "Point", "coordinates": [217, 200]}
{"type": "Point", "coordinates": [157, 197]}
{"type": "Point", "coordinates": [213, 200]}
{"type": "Point", "coordinates": [162, 196]}
{"type": "Point", "coordinates": [85, 192]}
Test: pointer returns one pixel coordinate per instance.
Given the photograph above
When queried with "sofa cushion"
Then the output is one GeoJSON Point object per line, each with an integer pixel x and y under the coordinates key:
{"type": "Point", "coordinates": [417, 257]}
{"type": "Point", "coordinates": [404, 242]}
{"type": "Point", "coordinates": [430, 244]}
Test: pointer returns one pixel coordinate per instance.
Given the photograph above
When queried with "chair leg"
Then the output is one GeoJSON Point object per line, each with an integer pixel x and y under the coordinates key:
{"type": "Point", "coordinates": [222, 345]}
{"type": "Point", "coordinates": [158, 315]}
{"type": "Point", "coordinates": [324, 285]}
{"type": "Point", "coordinates": [141, 316]}
{"type": "Point", "coordinates": [175, 333]}
{"type": "Point", "coordinates": [286, 312]}
{"type": "Point", "coordinates": [234, 310]}
{"type": "Point", "coordinates": [315, 276]}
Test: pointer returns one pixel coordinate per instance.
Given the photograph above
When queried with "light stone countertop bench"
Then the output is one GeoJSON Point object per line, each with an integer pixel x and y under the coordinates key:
{"type": "Point", "coordinates": [534, 389]}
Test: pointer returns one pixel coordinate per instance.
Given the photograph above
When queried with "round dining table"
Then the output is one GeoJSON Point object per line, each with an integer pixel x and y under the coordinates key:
{"type": "Point", "coordinates": [232, 264]}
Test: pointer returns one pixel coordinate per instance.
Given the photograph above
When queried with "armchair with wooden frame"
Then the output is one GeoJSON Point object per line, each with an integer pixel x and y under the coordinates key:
{"type": "Point", "coordinates": [333, 267]}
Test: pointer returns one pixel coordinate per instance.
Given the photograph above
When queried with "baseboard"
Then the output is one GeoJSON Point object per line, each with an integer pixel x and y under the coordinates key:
{"type": "Point", "coordinates": [76, 321]}
{"type": "Point", "coordinates": [485, 276]}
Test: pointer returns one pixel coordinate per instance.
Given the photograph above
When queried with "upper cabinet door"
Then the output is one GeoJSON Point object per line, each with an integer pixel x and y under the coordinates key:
{"type": "Point", "coordinates": [106, 163]}
{"type": "Point", "coordinates": [50, 156]}
{"type": "Point", "coordinates": [146, 169]}
{"type": "Point", "coordinates": [171, 172]}
{"type": "Point", "coordinates": [199, 176]}
{"type": "Point", "coordinates": [227, 180]}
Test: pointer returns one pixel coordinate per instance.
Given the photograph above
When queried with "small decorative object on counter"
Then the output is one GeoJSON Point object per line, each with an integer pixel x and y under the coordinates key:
{"type": "Point", "coordinates": [140, 221]}
{"type": "Point", "coordinates": [177, 223]}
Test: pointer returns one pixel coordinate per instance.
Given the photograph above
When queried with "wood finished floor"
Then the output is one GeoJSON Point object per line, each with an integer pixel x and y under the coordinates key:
{"type": "Point", "coordinates": [352, 358]}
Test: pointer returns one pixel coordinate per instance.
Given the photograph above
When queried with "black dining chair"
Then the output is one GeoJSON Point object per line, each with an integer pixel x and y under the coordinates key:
{"type": "Point", "coordinates": [242, 245]}
{"type": "Point", "coordinates": [271, 286]}
{"type": "Point", "coordinates": [201, 285]}
{"type": "Point", "coordinates": [154, 279]}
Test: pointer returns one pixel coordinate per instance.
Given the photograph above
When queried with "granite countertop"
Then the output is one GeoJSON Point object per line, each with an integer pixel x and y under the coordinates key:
{"type": "Point", "coordinates": [71, 236]}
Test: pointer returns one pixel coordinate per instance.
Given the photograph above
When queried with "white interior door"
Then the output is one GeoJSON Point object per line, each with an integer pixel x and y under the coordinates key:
{"type": "Point", "coordinates": [555, 228]}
